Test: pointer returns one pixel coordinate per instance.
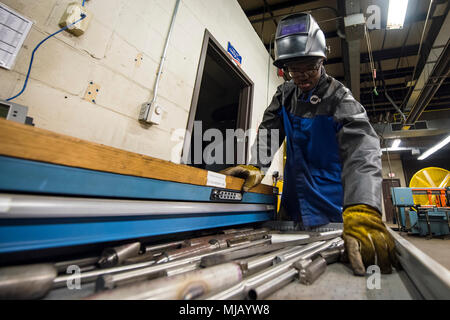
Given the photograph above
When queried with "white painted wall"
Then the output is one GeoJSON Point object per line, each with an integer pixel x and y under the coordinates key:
{"type": "Point", "coordinates": [397, 169]}
{"type": "Point", "coordinates": [121, 31]}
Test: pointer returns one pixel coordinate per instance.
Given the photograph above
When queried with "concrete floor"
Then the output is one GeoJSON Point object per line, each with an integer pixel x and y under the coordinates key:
{"type": "Point", "coordinates": [437, 248]}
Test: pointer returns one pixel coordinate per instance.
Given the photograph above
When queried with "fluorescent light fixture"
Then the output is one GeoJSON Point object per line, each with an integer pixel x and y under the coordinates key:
{"type": "Point", "coordinates": [435, 148]}
{"type": "Point", "coordinates": [396, 143]}
{"type": "Point", "coordinates": [396, 14]}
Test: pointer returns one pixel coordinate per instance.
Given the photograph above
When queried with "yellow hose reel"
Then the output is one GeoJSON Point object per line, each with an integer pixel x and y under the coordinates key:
{"type": "Point", "coordinates": [431, 177]}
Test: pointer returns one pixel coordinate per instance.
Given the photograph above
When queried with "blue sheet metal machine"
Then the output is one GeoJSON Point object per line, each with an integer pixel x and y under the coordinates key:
{"type": "Point", "coordinates": [46, 206]}
{"type": "Point", "coordinates": [422, 220]}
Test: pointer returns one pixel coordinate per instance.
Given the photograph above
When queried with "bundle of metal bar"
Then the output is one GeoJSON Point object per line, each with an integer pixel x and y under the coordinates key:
{"type": "Point", "coordinates": [304, 269]}
{"type": "Point", "coordinates": [34, 281]}
{"type": "Point", "coordinates": [312, 271]}
{"type": "Point", "coordinates": [222, 258]}
{"type": "Point", "coordinates": [116, 256]}
{"type": "Point", "coordinates": [211, 243]}
{"type": "Point", "coordinates": [116, 279]}
{"type": "Point", "coordinates": [272, 285]}
{"type": "Point", "coordinates": [241, 289]}
{"type": "Point", "coordinates": [188, 285]}
{"type": "Point", "coordinates": [252, 265]}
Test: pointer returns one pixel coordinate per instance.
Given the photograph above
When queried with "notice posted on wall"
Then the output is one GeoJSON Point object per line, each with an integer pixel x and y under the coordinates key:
{"type": "Point", "coordinates": [14, 29]}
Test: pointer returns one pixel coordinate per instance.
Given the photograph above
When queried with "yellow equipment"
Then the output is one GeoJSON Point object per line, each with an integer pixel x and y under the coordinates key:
{"type": "Point", "coordinates": [431, 177]}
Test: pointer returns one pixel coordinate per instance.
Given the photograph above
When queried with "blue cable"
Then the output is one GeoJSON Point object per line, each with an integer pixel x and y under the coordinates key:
{"type": "Point", "coordinates": [34, 50]}
{"type": "Point", "coordinates": [83, 3]}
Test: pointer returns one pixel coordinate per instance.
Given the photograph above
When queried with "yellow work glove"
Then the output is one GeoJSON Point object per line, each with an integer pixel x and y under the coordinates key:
{"type": "Point", "coordinates": [366, 239]}
{"type": "Point", "coordinates": [251, 174]}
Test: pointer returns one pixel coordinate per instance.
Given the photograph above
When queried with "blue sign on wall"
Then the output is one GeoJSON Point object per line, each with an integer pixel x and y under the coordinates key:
{"type": "Point", "coordinates": [234, 54]}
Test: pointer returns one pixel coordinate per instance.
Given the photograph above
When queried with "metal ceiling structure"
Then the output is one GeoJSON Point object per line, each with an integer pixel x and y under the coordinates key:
{"type": "Point", "coordinates": [414, 75]}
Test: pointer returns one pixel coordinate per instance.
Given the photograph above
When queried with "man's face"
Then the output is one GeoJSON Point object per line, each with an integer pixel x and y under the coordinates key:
{"type": "Point", "coordinates": [305, 73]}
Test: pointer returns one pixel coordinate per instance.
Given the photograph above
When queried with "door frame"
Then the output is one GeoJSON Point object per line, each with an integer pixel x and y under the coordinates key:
{"type": "Point", "coordinates": [245, 98]}
{"type": "Point", "coordinates": [388, 196]}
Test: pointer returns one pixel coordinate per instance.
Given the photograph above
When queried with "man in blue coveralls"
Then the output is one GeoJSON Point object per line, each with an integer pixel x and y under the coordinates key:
{"type": "Point", "coordinates": [333, 161]}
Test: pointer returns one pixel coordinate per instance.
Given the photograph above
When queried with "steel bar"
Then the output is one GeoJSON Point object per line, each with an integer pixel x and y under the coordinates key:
{"type": "Point", "coordinates": [165, 246]}
{"type": "Point", "coordinates": [26, 282]}
{"type": "Point", "coordinates": [118, 279]}
{"type": "Point", "coordinates": [28, 206]}
{"type": "Point", "coordinates": [182, 269]}
{"type": "Point", "coordinates": [332, 255]}
{"type": "Point", "coordinates": [112, 257]}
{"type": "Point", "coordinates": [147, 256]}
{"type": "Point", "coordinates": [189, 251]}
{"type": "Point", "coordinates": [310, 273]}
{"type": "Point", "coordinates": [282, 237]}
{"type": "Point", "coordinates": [273, 285]}
{"type": "Point", "coordinates": [82, 262]}
{"type": "Point", "coordinates": [235, 236]}
{"type": "Point", "coordinates": [211, 243]}
{"type": "Point", "coordinates": [251, 265]}
{"type": "Point", "coordinates": [222, 258]}
{"type": "Point", "coordinates": [293, 254]}
{"type": "Point", "coordinates": [240, 290]}
{"type": "Point", "coordinates": [184, 286]}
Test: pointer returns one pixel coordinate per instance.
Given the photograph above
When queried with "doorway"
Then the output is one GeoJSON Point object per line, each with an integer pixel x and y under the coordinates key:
{"type": "Point", "coordinates": [222, 100]}
{"type": "Point", "coordinates": [389, 209]}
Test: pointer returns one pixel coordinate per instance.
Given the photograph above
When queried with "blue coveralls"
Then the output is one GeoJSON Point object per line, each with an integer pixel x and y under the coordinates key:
{"type": "Point", "coordinates": [312, 185]}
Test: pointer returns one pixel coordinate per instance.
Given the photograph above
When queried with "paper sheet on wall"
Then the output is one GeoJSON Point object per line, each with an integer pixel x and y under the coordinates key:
{"type": "Point", "coordinates": [216, 180]}
{"type": "Point", "coordinates": [14, 29]}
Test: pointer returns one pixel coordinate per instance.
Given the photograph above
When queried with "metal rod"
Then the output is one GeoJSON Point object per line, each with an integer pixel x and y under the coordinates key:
{"type": "Point", "coordinates": [312, 271]}
{"type": "Point", "coordinates": [26, 282]}
{"type": "Point", "coordinates": [273, 285]}
{"type": "Point", "coordinates": [83, 262]}
{"type": "Point", "coordinates": [112, 257]}
{"type": "Point", "coordinates": [28, 206]}
{"type": "Point", "coordinates": [184, 286]}
{"type": "Point", "coordinates": [239, 254]}
{"type": "Point", "coordinates": [117, 279]}
{"type": "Point", "coordinates": [280, 237]}
{"type": "Point", "coordinates": [254, 264]}
{"type": "Point", "coordinates": [165, 246]}
{"type": "Point", "coordinates": [240, 290]}
{"type": "Point", "coordinates": [211, 243]}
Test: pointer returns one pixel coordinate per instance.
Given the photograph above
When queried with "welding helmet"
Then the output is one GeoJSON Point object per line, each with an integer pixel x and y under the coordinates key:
{"type": "Point", "coordinates": [298, 35]}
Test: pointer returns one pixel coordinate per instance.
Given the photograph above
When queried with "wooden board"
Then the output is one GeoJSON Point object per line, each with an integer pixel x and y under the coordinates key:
{"type": "Point", "coordinates": [31, 143]}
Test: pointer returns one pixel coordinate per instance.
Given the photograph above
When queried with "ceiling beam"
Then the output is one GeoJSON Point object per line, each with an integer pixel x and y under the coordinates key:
{"type": "Point", "coordinates": [384, 54]}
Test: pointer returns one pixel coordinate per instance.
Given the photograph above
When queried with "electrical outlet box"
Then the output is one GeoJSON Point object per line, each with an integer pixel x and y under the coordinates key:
{"type": "Point", "coordinates": [73, 13]}
{"type": "Point", "coordinates": [150, 113]}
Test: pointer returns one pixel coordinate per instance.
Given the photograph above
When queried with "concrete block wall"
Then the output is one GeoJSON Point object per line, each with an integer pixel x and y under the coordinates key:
{"type": "Point", "coordinates": [121, 52]}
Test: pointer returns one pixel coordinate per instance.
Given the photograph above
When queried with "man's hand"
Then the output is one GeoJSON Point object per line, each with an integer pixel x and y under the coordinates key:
{"type": "Point", "coordinates": [367, 240]}
{"type": "Point", "coordinates": [251, 174]}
